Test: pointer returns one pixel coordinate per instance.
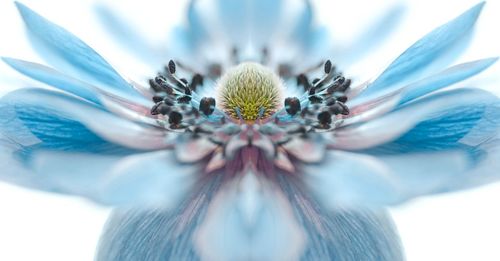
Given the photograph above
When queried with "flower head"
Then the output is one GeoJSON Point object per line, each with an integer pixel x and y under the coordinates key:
{"type": "Point", "coordinates": [264, 152]}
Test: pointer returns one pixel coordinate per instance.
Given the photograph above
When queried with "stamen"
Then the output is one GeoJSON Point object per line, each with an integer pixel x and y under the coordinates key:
{"type": "Point", "coordinates": [292, 105]}
{"type": "Point", "coordinates": [207, 105]}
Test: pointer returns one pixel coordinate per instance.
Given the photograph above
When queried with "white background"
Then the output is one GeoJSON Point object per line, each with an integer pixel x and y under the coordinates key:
{"type": "Point", "coordinates": [458, 226]}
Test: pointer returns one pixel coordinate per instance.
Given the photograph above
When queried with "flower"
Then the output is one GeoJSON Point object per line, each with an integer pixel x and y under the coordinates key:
{"type": "Point", "coordinates": [263, 151]}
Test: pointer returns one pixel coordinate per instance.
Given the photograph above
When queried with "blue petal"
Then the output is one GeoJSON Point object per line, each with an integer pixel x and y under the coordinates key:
{"type": "Point", "coordinates": [53, 78]}
{"type": "Point", "coordinates": [58, 45]}
{"type": "Point", "coordinates": [474, 119]}
{"type": "Point", "coordinates": [148, 179]}
{"type": "Point", "coordinates": [445, 78]}
{"type": "Point", "coordinates": [373, 37]}
{"type": "Point", "coordinates": [159, 233]}
{"type": "Point", "coordinates": [426, 50]}
{"type": "Point", "coordinates": [341, 233]}
{"type": "Point", "coordinates": [353, 179]}
{"type": "Point", "coordinates": [35, 126]}
{"type": "Point", "coordinates": [254, 20]}
{"type": "Point", "coordinates": [126, 35]}
{"type": "Point", "coordinates": [302, 29]}
{"type": "Point", "coordinates": [107, 125]}
{"type": "Point", "coordinates": [197, 29]}
{"type": "Point", "coordinates": [439, 120]}
{"type": "Point", "coordinates": [241, 224]}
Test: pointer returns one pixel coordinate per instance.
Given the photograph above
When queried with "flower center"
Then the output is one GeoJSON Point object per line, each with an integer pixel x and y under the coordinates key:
{"type": "Point", "coordinates": [250, 91]}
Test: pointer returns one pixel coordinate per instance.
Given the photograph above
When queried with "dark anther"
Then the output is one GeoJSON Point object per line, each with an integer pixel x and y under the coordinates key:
{"type": "Point", "coordinates": [160, 80]}
{"type": "Point", "coordinates": [161, 83]}
{"type": "Point", "coordinates": [339, 79]}
{"type": "Point", "coordinates": [171, 67]}
{"type": "Point", "coordinates": [339, 108]}
{"type": "Point", "coordinates": [195, 81]}
{"type": "Point", "coordinates": [314, 99]}
{"type": "Point", "coordinates": [155, 86]}
{"type": "Point", "coordinates": [159, 97]}
{"type": "Point", "coordinates": [284, 70]}
{"type": "Point", "coordinates": [336, 108]}
{"type": "Point", "coordinates": [184, 99]}
{"type": "Point", "coordinates": [304, 81]}
{"type": "Point", "coordinates": [187, 91]}
{"type": "Point", "coordinates": [154, 110]}
{"type": "Point", "coordinates": [330, 101]}
{"type": "Point", "coordinates": [215, 70]}
{"type": "Point", "coordinates": [316, 80]}
{"type": "Point", "coordinates": [312, 91]}
{"type": "Point", "coordinates": [325, 118]}
{"type": "Point", "coordinates": [292, 105]}
{"type": "Point", "coordinates": [168, 101]}
{"type": "Point", "coordinates": [207, 105]}
{"type": "Point", "coordinates": [328, 66]}
{"type": "Point", "coordinates": [183, 80]}
{"type": "Point", "coordinates": [174, 117]}
{"type": "Point", "coordinates": [345, 109]}
{"type": "Point", "coordinates": [341, 98]}
{"type": "Point", "coordinates": [345, 85]}
{"type": "Point", "coordinates": [160, 108]}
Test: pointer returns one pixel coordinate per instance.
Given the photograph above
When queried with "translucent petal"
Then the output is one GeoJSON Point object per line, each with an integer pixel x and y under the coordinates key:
{"type": "Point", "coordinates": [304, 22]}
{"type": "Point", "coordinates": [426, 50]}
{"type": "Point", "coordinates": [128, 36]}
{"type": "Point", "coordinates": [62, 48]}
{"type": "Point", "coordinates": [146, 179]}
{"type": "Point", "coordinates": [53, 78]}
{"type": "Point", "coordinates": [64, 82]}
{"type": "Point", "coordinates": [377, 33]}
{"type": "Point", "coordinates": [253, 21]}
{"type": "Point", "coordinates": [371, 109]}
{"type": "Point", "coordinates": [306, 150]}
{"type": "Point", "coordinates": [42, 125]}
{"type": "Point", "coordinates": [157, 233]}
{"type": "Point", "coordinates": [393, 125]}
{"type": "Point", "coordinates": [341, 233]}
{"type": "Point", "coordinates": [355, 179]}
{"type": "Point", "coordinates": [191, 150]}
{"type": "Point", "coordinates": [106, 125]}
{"type": "Point", "coordinates": [445, 78]}
{"type": "Point", "coordinates": [472, 120]}
{"type": "Point", "coordinates": [248, 220]}
{"type": "Point", "coordinates": [196, 25]}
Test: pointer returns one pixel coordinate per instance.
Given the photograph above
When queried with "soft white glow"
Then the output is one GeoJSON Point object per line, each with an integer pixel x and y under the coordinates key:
{"type": "Point", "coordinates": [459, 226]}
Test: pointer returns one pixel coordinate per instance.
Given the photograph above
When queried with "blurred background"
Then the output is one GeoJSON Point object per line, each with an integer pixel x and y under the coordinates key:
{"type": "Point", "coordinates": [458, 226]}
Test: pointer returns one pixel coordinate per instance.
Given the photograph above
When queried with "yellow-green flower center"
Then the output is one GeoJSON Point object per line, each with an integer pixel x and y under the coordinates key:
{"type": "Point", "coordinates": [251, 90]}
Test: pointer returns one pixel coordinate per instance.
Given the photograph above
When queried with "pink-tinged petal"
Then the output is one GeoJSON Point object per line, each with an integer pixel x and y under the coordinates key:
{"type": "Point", "coordinates": [371, 109]}
{"type": "Point", "coordinates": [306, 150]}
{"type": "Point", "coordinates": [105, 124]}
{"type": "Point", "coordinates": [190, 150]}
{"type": "Point", "coordinates": [396, 123]}
{"type": "Point", "coordinates": [283, 162]}
{"type": "Point", "coordinates": [216, 162]}
{"type": "Point", "coordinates": [145, 91]}
{"type": "Point", "coordinates": [124, 111]}
{"type": "Point", "coordinates": [249, 219]}
{"type": "Point", "coordinates": [356, 90]}
{"type": "Point", "coordinates": [266, 145]}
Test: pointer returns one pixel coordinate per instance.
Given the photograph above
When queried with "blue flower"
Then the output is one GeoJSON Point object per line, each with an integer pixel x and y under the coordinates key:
{"type": "Point", "coordinates": [248, 145]}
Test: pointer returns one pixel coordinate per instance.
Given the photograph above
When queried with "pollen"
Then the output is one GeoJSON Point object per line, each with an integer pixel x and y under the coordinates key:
{"type": "Point", "coordinates": [250, 91]}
